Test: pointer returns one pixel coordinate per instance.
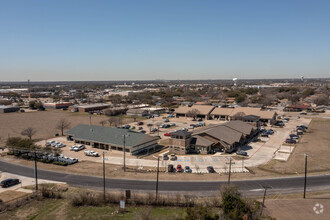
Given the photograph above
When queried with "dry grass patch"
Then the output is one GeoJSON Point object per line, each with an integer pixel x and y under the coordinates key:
{"type": "Point", "coordinates": [9, 195]}
{"type": "Point", "coordinates": [316, 143]}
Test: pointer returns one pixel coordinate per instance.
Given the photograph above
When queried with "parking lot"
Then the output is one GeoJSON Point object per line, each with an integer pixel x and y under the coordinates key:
{"type": "Point", "coordinates": [258, 152]}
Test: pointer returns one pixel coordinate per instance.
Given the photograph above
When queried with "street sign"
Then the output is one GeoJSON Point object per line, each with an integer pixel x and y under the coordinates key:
{"type": "Point", "coordinates": [122, 204]}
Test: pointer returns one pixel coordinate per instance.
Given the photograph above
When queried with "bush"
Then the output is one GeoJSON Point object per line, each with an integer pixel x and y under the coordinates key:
{"type": "Point", "coordinates": [200, 212]}
{"type": "Point", "coordinates": [60, 163]}
{"type": "Point", "coordinates": [10, 153]}
{"type": "Point", "coordinates": [50, 194]}
{"type": "Point", "coordinates": [87, 199]}
{"type": "Point", "coordinates": [235, 207]}
{"type": "Point", "coordinates": [26, 157]}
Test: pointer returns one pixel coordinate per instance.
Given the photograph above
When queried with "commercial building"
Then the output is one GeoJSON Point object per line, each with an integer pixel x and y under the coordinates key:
{"type": "Point", "coordinates": [111, 138]}
{"type": "Point", "coordinates": [227, 137]}
{"type": "Point", "coordinates": [58, 105]}
{"type": "Point", "coordinates": [137, 112]}
{"type": "Point", "coordinates": [7, 109]}
{"type": "Point", "coordinates": [228, 114]}
{"type": "Point", "coordinates": [89, 108]}
{"type": "Point", "coordinates": [199, 111]}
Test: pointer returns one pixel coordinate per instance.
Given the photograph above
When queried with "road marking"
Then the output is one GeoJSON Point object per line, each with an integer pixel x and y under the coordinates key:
{"type": "Point", "coordinates": [256, 190]}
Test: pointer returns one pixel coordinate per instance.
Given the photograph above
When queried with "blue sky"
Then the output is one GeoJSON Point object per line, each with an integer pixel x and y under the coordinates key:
{"type": "Point", "coordinates": [174, 39]}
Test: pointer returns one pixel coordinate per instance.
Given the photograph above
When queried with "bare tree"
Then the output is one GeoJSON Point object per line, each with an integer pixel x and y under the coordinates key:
{"type": "Point", "coordinates": [112, 120]}
{"type": "Point", "coordinates": [158, 124]}
{"type": "Point", "coordinates": [103, 122]}
{"type": "Point", "coordinates": [150, 126]}
{"type": "Point", "coordinates": [63, 124]}
{"type": "Point", "coordinates": [193, 113]}
{"type": "Point", "coordinates": [29, 132]}
{"type": "Point", "coordinates": [238, 116]}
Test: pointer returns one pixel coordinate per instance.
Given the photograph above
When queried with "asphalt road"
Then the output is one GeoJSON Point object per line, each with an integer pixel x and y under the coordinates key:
{"type": "Point", "coordinates": [248, 187]}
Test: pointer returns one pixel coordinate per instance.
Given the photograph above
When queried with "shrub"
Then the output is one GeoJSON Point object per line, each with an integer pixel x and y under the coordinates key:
{"type": "Point", "coordinates": [60, 163]}
{"type": "Point", "coordinates": [87, 199]}
{"type": "Point", "coordinates": [200, 212]}
{"type": "Point", "coordinates": [235, 207]}
{"type": "Point", "coordinates": [50, 194]}
{"type": "Point", "coordinates": [26, 157]}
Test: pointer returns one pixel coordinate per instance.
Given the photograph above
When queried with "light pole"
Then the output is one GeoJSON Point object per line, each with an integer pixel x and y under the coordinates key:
{"type": "Point", "coordinates": [125, 135]}
{"type": "Point", "coordinates": [103, 177]}
{"type": "Point", "coordinates": [263, 200]}
{"type": "Point", "coordinates": [229, 170]}
{"type": "Point", "coordinates": [157, 179]}
{"type": "Point", "coordinates": [36, 169]}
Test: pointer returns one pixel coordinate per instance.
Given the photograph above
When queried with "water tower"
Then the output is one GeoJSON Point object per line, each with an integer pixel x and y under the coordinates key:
{"type": "Point", "coordinates": [235, 81]}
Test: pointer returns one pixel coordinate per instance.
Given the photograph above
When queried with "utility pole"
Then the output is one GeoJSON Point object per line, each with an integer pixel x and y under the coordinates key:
{"type": "Point", "coordinates": [229, 171]}
{"type": "Point", "coordinates": [157, 179]}
{"type": "Point", "coordinates": [103, 177]}
{"type": "Point", "coordinates": [36, 169]}
{"type": "Point", "coordinates": [125, 151]}
{"type": "Point", "coordinates": [306, 155]}
{"type": "Point", "coordinates": [90, 120]}
{"type": "Point", "coordinates": [263, 200]}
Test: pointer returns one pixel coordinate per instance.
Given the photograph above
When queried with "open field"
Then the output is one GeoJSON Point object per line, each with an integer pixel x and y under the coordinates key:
{"type": "Point", "coordinates": [11, 195]}
{"type": "Point", "coordinates": [60, 209]}
{"type": "Point", "coordinates": [316, 143]}
{"type": "Point", "coordinates": [11, 124]}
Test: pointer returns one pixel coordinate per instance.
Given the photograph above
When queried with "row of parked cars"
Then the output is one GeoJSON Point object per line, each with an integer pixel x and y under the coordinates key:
{"type": "Point", "coordinates": [293, 138]}
{"type": "Point", "coordinates": [186, 169]}
{"type": "Point", "coordinates": [56, 144]}
{"type": "Point", "coordinates": [199, 124]}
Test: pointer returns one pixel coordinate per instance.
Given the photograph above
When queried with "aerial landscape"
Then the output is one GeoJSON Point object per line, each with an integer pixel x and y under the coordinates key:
{"type": "Point", "coordinates": [164, 109]}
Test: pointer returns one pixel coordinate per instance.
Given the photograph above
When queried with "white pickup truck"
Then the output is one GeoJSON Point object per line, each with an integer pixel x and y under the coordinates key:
{"type": "Point", "coordinates": [91, 153]}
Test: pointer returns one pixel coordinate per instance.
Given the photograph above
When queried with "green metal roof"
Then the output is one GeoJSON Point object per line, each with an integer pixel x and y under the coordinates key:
{"type": "Point", "coordinates": [109, 135]}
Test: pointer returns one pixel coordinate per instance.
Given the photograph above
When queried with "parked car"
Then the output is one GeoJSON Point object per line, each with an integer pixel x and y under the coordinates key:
{"type": "Point", "coordinates": [132, 127]}
{"type": "Point", "coordinates": [179, 168]}
{"type": "Point", "coordinates": [170, 168]}
{"type": "Point", "coordinates": [290, 141]}
{"type": "Point", "coordinates": [173, 157]}
{"type": "Point", "coordinates": [210, 169]}
{"type": "Point", "coordinates": [126, 126]}
{"type": "Point", "coordinates": [59, 145]}
{"type": "Point", "coordinates": [91, 153]}
{"type": "Point", "coordinates": [140, 128]}
{"type": "Point", "coordinates": [187, 169]}
{"type": "Point", "coordinates": [172, 124]}
{"type": "Point", "coordinates": [167, 134]}
{"type": "Point", "coordinates": [281, 124]}
{"type": "Point", "coordinates": [200, 119]}
{"type": "Point", "coordinates": [294, 136]}
{"type": "Point", "coordinates": [201, 123]}
{"type": "Point", "coordinates": [165, 157]}
{"type": "Point", "coordinates": [140, 123]}
{"type": "Point", "coordinates": [154, 129]}
{"type": "Point", "coordinates": [9, 182]}
{"type": "Point", "coordinates": [143, 131]}
{"type": "Point", "coordinates": [303, 113]}
{"type": "Point", "coordinates": [170, 116]}
{"type": "Point", "coordinates": [242, 153]}
{"type": "Point", "coordinates": [264, 135]}
{"type": "Point", "coordinates": [166, 120]}
{"type": "Point", "coordinates": [191, 127]}
{"type": "Point", "coordinates": [79, 148]}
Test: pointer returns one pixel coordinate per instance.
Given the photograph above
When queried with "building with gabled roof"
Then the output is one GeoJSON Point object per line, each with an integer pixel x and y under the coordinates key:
{"type": "Point", "coordinates": [203, 111]}
{"type": "Point", "coordinates": [226, 137]}
{"type": "Point", "coordinates": [112, 138]}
